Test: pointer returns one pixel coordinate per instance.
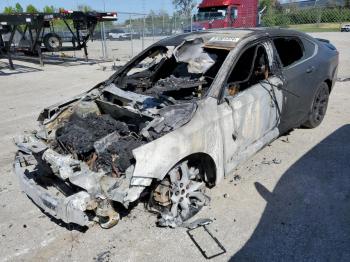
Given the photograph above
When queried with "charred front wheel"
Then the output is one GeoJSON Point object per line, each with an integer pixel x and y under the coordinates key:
{"type": "Point", "coordinates": [319, 107]}
{"type": "Point", "coordinates": [180, 195]}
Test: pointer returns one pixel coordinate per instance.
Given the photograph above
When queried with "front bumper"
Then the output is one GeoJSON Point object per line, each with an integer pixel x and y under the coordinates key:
{"type": "Point", "coordinates": [70, 209]}
{"type": "Point", "coordinates": [67, 189]}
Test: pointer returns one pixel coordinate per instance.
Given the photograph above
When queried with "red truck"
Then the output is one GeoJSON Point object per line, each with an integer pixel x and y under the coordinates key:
{"type": "Point", "coordinates": [226, 13]}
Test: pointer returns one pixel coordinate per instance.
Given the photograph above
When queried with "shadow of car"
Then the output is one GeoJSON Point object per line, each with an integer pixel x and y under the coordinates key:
{"type": "Point", "coordinates": [308, 213]}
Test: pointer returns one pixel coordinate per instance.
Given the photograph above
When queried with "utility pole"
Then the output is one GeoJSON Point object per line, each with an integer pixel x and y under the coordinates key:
{"type": "Point", "coordinates": [131, 38]}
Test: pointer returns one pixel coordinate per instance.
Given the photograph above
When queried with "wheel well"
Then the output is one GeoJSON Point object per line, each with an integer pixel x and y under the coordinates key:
{"type": "Point", "coordinates": [329, 84]}
{"type": "Point", "coordinates": [206, 164]}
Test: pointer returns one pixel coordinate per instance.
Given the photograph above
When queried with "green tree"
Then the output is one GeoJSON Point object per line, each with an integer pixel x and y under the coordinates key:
{"type": "Point", "coordinates": [267, 3]}
{"type": "Point", "coordinates": [9, 10]}
{"type": "Point", "coordinates": [19, 8]}
{"type": "Point", "coordinates": [49, 9]}
{"type": "Point", "coordinates": [184, 6]}
{"type": "Point", "coordinates": [84, 8]}
{"type": "Point", "coordinates": [31, 9]}
{"type": "Point", "coordinates": [263, 3]}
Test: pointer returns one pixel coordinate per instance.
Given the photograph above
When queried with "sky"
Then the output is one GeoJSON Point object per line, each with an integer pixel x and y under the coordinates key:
{"type": "Point", "coordinates": [135, 6]}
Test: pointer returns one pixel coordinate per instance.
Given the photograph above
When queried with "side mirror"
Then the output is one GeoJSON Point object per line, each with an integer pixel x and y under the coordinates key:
{"type": "Point", "coordinates": [224, 97]}
{"type": "Point", "coordinates": [230, 90]}
{"type": "Point", "coordinates": [234, 14]}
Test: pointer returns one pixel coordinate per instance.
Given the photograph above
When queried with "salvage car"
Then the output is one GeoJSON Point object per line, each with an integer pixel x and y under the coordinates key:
{"type": "Point", "coordinates": [121, 35]}
{"type": "Point", "coordinates": [345, 28]}
{"type": "Point", "coordinates": [173, 122]}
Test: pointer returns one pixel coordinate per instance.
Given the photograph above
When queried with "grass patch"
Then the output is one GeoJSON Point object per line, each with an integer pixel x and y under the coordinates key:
{"type": "Point", "coordinates": [322, 27]}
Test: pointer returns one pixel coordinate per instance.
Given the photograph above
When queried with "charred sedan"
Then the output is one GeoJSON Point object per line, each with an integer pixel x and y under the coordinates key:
{"type": "Point", "coordinates": [174, 121]}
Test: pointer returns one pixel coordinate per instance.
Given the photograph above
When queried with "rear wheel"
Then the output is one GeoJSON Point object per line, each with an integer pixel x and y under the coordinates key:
{"type": "Point", "coordinates": [180, 195]}
{"type": "Point", "coordinates": [52, 42]}
{"type": "Point", "coordinates": [319, 107]}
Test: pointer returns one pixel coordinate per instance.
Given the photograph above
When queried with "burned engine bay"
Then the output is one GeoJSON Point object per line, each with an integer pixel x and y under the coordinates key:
{"type": "Point", "coordinates": [104, 127]}
{"type": "Point", "coordinates": [93, 135]}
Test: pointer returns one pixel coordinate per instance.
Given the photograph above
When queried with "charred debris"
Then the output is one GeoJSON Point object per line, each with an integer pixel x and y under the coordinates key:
{"type": "Point", "coordinates": [150, 97]}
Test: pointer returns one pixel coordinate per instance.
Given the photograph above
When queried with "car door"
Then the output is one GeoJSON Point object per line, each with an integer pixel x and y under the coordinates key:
{"type": "Point", "coordinates": [299, 70]}
{"type": "Point", "coordinates": [249, 118]}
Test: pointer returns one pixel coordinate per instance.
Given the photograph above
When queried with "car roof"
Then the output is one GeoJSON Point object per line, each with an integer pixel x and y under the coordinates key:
{"type": "Point", "coordinates": [229, 35]}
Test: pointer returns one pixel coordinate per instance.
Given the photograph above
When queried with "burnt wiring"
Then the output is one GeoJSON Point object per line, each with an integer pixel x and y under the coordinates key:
{"type": "Point", "coordinates": [278, 72]}
{"type": "Point", "coordinates": [281, 87]}
{"type": "Point", "coordinates": [273, 97]}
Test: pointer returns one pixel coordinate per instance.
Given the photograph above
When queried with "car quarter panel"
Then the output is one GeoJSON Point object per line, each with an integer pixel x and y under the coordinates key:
{"type": "Point", "coordinates": [330, 58]}
{"type": "Point", "coordinates": [318, 65]}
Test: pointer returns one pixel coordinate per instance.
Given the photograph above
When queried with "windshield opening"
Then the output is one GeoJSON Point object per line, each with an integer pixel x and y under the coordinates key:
{"type": "Point", "coordinates": [183, 72]}
{"type": "Point", "coordinates": [212, 13]}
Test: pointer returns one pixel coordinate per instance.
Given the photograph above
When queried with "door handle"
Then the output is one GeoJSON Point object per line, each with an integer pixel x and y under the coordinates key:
{"type": "Point", "coordinates": [234, 135]}
{"type": "Point", "coordinates": [310, 69]}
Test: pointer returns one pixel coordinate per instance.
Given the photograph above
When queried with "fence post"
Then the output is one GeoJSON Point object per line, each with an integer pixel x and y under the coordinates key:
{"type": "Point", "coordinates": [191, 21]}
{"type": "Point", "coordinates": [132, 44]}
{"type": "Point", "coordinates": [153, 28]}
{"type": "Point", "coordinates": [102, 42]}
{"type": "Point", "coordinates": [143, 33]}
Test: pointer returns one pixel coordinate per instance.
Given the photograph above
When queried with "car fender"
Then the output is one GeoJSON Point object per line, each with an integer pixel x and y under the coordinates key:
{"type": "Point", "coordinates": [202, 134]}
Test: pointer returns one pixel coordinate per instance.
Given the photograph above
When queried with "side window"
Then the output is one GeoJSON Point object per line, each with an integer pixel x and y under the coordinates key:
{"type": "Point", "coordinates": [290, 50]}
{"type": "Point", "coordinates": [251, 68]}
{"type": "Point", "coordinates": [244, 66]}
{"type": "Point", "coordinates": [309, 48]}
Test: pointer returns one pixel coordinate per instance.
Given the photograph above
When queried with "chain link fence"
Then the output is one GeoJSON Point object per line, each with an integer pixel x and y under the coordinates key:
{"type": "Point", "coordinates": [134, 32]}
{"type": "Point", "coordinates": [309, 19]}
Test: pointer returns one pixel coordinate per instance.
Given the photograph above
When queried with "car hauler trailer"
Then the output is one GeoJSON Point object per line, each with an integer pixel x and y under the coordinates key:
{"type": "Point", "coordinates": [37, 32]}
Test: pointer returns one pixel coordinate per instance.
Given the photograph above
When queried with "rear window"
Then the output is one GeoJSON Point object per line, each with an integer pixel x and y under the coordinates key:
{"type": "Point", "coordinates": [309, 48]}
{"type": "Point", "coordinates": [290, 50]}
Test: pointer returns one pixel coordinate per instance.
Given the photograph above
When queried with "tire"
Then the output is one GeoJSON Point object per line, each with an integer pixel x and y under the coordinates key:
{"type": "Point", "coordinates": [180, 195]}
{"type": "Point", "coordinates": [52, 42]}
{"type": "Point", "coordinates": [319, 107]}
{"type": "Point", "coordinates": [5, 29]}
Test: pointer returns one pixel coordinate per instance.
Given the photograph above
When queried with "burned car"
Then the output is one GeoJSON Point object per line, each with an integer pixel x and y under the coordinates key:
{"type": "Point", "coordinates": [173, 122]}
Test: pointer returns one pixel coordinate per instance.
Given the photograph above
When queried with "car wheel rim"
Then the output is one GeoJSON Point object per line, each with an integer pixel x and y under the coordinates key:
{"type": "Point", "coordinates": [54, 42]}
{"type": "Point", "coordinates": [186, 191]}
{"type": "Point", "coordinates": [320, 105]}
